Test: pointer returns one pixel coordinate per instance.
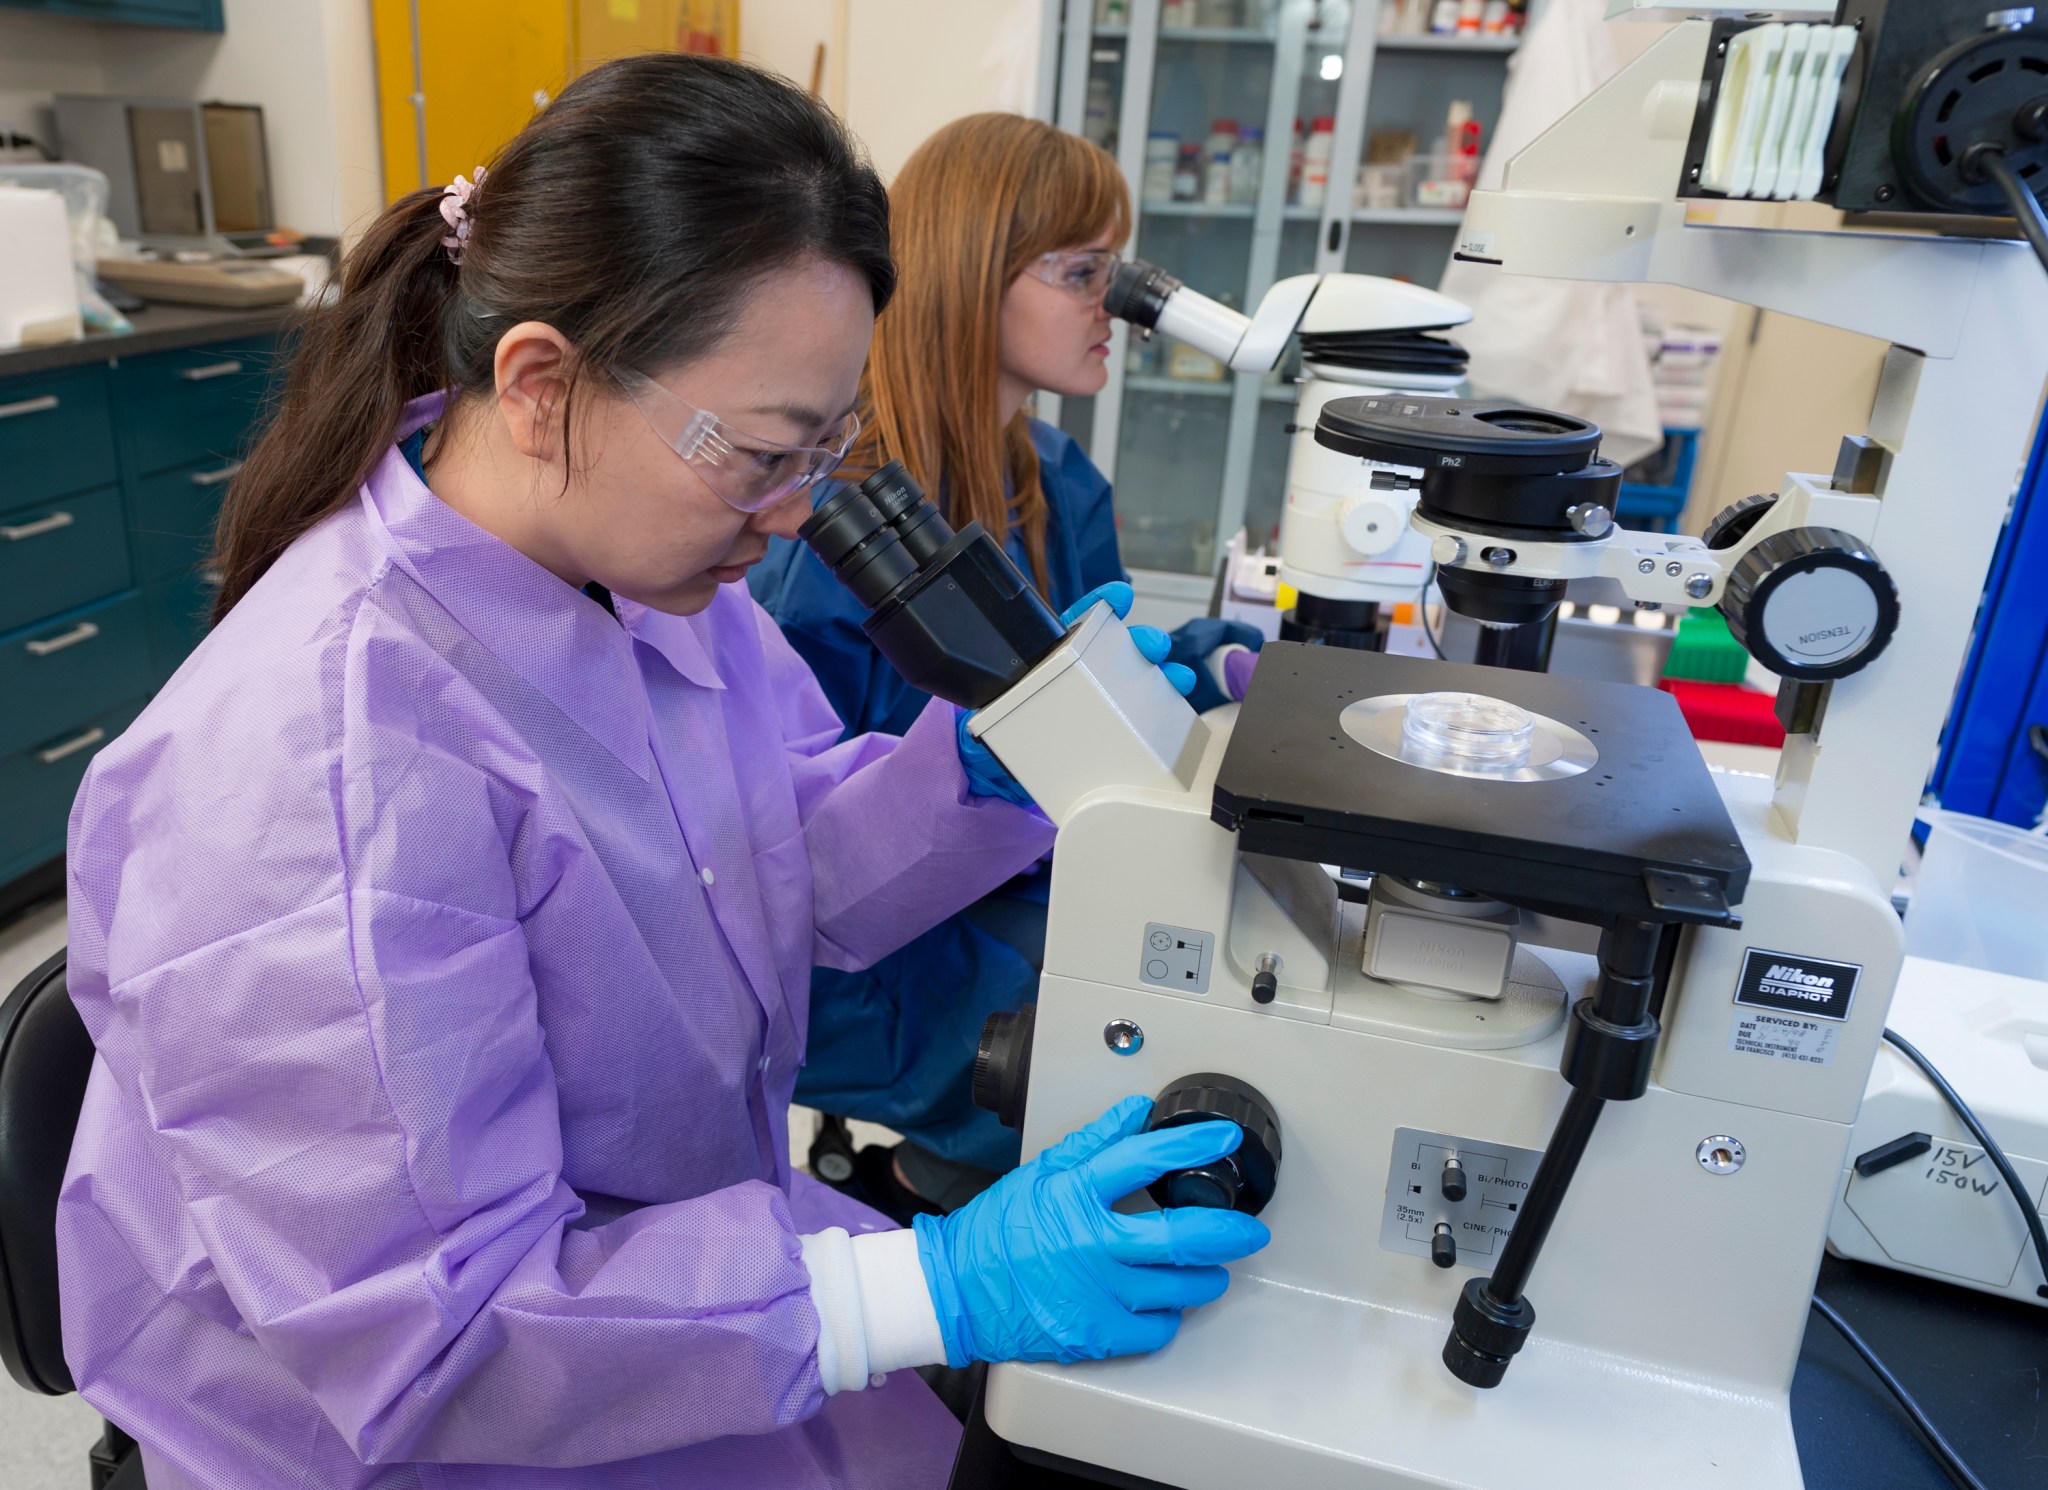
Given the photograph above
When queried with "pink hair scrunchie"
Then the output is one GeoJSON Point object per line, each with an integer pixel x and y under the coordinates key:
{"type": "Point", "coordinates": [455, 200]}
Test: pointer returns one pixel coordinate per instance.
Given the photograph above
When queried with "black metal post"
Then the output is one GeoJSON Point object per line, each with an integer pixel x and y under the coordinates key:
{"type": "Point", "coordinates": [1607, 1056]}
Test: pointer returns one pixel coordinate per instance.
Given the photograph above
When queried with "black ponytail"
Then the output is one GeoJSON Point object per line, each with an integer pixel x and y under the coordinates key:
{"type": "Point", "coordinates": [633, 216]}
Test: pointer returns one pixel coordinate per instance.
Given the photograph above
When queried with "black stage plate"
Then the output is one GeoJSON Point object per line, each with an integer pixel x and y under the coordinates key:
{"type": "Point", "coordinates": [1643, 834]}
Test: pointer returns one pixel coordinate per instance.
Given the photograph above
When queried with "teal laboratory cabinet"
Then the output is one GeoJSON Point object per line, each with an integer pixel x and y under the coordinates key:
{"type": "Point", "coordinates": [195, 15]}
{"type": "Point", "coordinates": [114, 456]}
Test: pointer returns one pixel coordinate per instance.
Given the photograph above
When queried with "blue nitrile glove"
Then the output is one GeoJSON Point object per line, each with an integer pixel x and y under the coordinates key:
{"type": "Point", "coordinates": [1194, 642]}
{"type": "Point", "coordinates": [1039, 1268]}
{"type": "Point", "coordinates": [986, 776]}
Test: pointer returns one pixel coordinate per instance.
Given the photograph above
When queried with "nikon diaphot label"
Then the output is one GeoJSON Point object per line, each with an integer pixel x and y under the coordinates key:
{"type": "Point", "coordinates": [1792, 984]}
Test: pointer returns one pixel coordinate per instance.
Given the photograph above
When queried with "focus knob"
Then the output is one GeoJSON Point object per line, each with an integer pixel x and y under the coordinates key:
{"type": "Point", "coordinates": [1734, 522]}
{"type": "Point", "coordinates": [1002, 1064]}
{"type": "Point", "coordinates": [1812, 604]}
{"type": "Point", "coordinates": [1242, 1180]}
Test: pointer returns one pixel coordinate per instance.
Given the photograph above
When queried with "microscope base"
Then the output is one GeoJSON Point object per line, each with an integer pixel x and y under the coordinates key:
{"type": "Point", "coordinates": [1670, 1302]}
{"type": "Point", "coordinates": [1356, 1399]}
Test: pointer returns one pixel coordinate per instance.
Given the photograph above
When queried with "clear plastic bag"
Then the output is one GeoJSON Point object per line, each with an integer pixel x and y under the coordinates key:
{"type": "Point", "coordinates": [85, 192]}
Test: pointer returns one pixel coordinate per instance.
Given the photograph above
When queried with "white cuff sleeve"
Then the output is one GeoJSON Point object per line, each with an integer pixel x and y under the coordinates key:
{"type": "Point", "coordinates": [875, 1312]}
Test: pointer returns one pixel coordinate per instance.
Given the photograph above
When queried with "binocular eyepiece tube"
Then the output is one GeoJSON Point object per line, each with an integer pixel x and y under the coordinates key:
{"type": "Point", "coordinates": [875, 537]}
{"type": "Point", "coordinates": [951, 611]}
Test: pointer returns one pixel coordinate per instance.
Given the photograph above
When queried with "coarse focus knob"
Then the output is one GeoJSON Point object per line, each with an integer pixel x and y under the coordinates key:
{"type": "Point", "coordinates": [1242, 1180]}
{"type": "Point", "coordinates": [1454, 1180]}
{"type": "Point", "coordinates": [1811, 604]}
{"type": "Point", "coordinates": [1002, 1064]}
{"type": "Point", "coordinates": [1443, 1247]}
{"type": "Point", "coordinates": [1733, 523]}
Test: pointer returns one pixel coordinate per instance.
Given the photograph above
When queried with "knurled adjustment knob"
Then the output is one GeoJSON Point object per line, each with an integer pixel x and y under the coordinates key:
{"type": "Point", "coordinates": [1002, 1064]}
{"type": "Point", "coordinates": [1811, 604]}
{"type": "Point", "coordinates": [1242, 1180]}
{"type": "Point", "coordinates": [1733, 523]}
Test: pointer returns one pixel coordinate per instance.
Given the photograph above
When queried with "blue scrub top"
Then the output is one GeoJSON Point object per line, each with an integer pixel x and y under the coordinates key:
{"type": "Point", "coordinates": [894, 1044]}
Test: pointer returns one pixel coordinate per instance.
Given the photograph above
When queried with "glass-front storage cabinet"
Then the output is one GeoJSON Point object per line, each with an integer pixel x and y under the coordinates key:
{"type": "Point", "coordinates": [1261, 139]}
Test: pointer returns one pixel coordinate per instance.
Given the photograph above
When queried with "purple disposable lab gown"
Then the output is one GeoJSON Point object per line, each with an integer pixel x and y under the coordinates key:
{"type": "Point", "coordinates": [447, 943]}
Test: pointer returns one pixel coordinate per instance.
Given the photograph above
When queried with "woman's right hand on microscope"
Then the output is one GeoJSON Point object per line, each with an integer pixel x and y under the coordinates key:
{"type": "Point", "coordinates": [1039, 1268]}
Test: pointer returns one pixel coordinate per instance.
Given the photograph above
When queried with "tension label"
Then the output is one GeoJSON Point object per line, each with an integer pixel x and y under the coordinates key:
{"type": "Point", "coordinates": [1805, 986]}
{"type": "Point", "coordinates": [1785, 1037]}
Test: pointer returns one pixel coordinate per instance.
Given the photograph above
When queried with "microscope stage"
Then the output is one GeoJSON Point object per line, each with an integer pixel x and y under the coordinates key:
{"type": "Point", "coordinates": [1614, 813]}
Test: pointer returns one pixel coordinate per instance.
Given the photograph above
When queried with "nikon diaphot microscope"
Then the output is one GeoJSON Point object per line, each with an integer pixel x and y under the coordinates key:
{"type": "Point", "coordinates": [1541, 1216]}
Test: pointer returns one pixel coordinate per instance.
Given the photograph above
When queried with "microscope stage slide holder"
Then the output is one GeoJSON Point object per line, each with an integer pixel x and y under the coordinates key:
{"type": "Point", "coordinates": [1641, 834]}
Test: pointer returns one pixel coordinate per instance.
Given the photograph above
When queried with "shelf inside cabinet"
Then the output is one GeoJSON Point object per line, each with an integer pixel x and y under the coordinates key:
{"type": "Point", "coordinates": [1447, 43]}
{"type": "Point", "coordinates": [1410, 217]}
{"type": "Point", "coordinates": [1198, 209]}
{"type": "Point", "coordinates": [1154, 383]}
{"type": "Point", "coordinates": [1229, 35]}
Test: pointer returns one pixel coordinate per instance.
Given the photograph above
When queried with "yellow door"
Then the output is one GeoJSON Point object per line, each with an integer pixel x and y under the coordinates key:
{"type": "Point", "coordinates": [483, 67]}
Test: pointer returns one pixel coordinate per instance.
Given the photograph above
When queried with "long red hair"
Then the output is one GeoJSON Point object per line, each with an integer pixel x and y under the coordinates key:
{"type": "Point", "coordinates": [970, 211]}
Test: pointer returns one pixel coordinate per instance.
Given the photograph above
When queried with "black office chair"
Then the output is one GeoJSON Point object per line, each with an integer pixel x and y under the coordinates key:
{"type": "Point", "coordinates": [45, 1058]}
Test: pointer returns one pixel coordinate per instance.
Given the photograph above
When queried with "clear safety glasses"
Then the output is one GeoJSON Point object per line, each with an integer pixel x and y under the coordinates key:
{"type": "Point", "coordinates": [1084, 273]}
{"type": "Point", "coordinates": [748, 472]}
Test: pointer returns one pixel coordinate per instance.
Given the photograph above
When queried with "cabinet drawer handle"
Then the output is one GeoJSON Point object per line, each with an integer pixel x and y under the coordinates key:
{"type": "Point", "coordinates": [37, 528]}
{"type": "Point", "coordinates": [43, 646]}
{"type": "Point", "coordinates": [72, 746]}
{"type": "Point", "coordinates": [41, 405]}
{"type": "Point", "coordinates": [227, 472]}
{"type": "Point", "coordinates": [211, 370]}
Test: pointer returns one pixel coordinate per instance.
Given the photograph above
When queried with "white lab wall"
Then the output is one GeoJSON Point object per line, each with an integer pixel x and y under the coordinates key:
{"type": "Point", "coordinates": [908, 66]}
{"type": "Point", "coordinates": [40, 57]}
{"type": "Point", "coordinates": [913, 65]}
{"type": "Point", "coordinates": [307, 62]}
{"type": "Point", "coordinates": [785, 35]}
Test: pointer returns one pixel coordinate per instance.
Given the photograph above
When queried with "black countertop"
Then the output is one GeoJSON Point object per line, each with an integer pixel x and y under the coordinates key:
{"type": "Point", "coordinates": [158, 328]}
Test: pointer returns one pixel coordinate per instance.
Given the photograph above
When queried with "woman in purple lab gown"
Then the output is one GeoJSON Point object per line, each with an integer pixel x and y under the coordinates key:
{"type": "Point", "coordinates": [445, 925]}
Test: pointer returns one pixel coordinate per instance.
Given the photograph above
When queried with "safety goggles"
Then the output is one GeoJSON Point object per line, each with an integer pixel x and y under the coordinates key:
{"type": "Point", "coordinates": [1084, 273]}
{"type": "Point", "coordinates": [746, 471]}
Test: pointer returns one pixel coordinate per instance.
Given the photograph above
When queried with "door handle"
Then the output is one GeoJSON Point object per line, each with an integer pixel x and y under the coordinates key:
{"type": "Point", "coordinates": [211, 370]}
{"type": "Point", "coordinates": [37, 528]}
{"type": "Point", "coordinates": [72, 746]}
{"type": "Point", "coordinates": [227, 472]}
{"type": "Point", "coordinates": [41, 405]}
{"type": "Point", "coordinates": [43, 646]}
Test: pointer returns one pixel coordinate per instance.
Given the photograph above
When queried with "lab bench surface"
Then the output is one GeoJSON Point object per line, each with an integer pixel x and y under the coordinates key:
{"type": "Point", "coordinates": [1975, 1363]}
{"type": "Point", "coordinates": [158, 328]}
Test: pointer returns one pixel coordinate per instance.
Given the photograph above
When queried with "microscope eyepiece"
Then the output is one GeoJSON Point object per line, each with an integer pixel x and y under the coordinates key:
{"type": "Point", "coordinates": [950, 611]}
{"type": "Point", "coordinates": [1139, 293]}
{"type": "Point", "coordinates": [903, 503]}
{"type": "Point", "coordinates": [853, 537]}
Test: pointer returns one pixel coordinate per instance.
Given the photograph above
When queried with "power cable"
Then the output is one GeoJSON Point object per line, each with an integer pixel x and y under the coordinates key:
{"type": "Point", "coordinates": [2026, 207]}
{"type": "Point", "coordinates": [2003, 1165]}
{"type": "Point", "coordinates": [1944, 1452]}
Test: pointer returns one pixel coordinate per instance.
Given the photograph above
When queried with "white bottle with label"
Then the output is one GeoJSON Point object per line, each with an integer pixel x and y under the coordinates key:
{"type": "Point", "coordinates": [1443, 17]}
{"type": "Point", "coordinates": [1216, 179]}
{"type": "Point", "coordinates": [1247, 162]}
{"type": "Point", "coordinates": [1162, 154]}
{"type": "Point", "coordinates": [1315, 162]}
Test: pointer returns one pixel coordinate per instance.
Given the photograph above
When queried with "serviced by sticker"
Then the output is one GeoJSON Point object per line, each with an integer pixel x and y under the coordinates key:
{"type": "Point", "coordinates": [1791, 1007]}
